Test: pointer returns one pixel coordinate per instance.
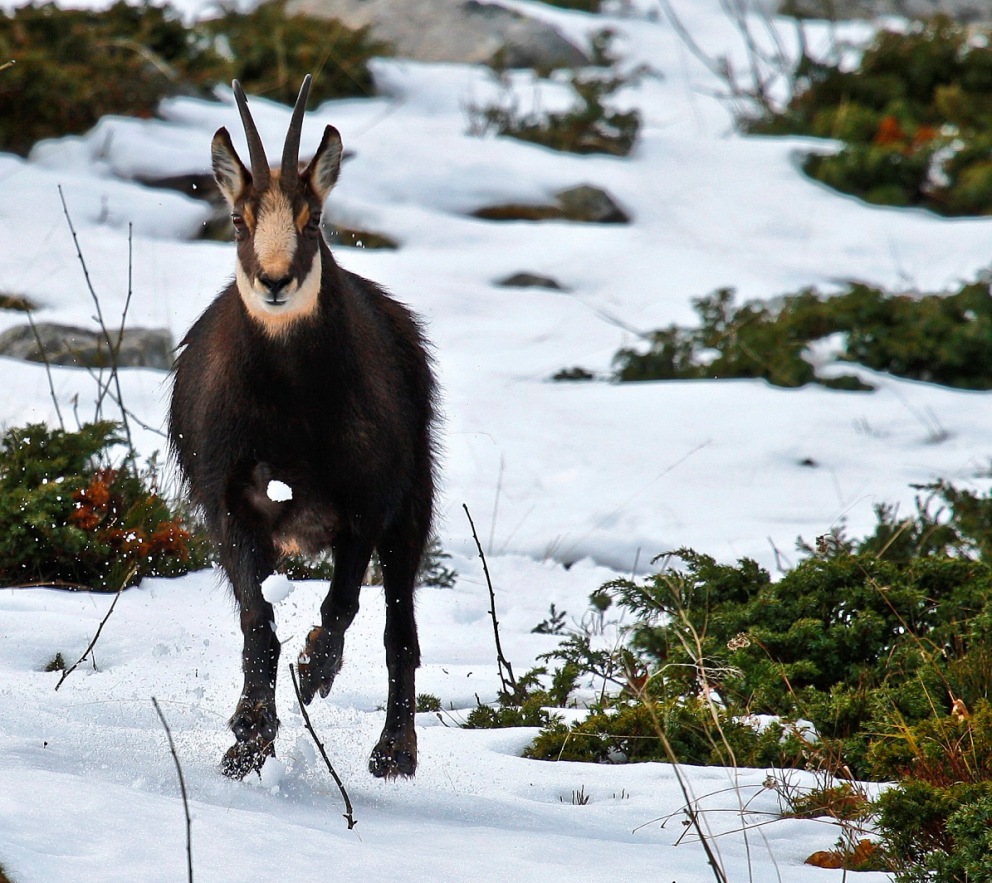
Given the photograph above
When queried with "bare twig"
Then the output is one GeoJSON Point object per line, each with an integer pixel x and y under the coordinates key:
{"type": "Point", "coordinates": [151, 58]}
{"type": "Point", "coordinates": [7, 64]}
{"type": "Point", "coordinates": [48, 367]}
{"type": "Point", "coordinates": [348, 814]}
{"type": "Point", "coordinates": [114, 397]}
{"type": "Point", "coordinates": [499, 488]}
{"type": "Point", "coordinates": [127, 299]}
{"type": "Point", "coordinates": [99, 629]}
{"type": "Point", "coordinates": [112, 350]}
{"type": "Point", "coordinates": [765, 67]}
{"type": "Point", "coordinates": [508, 681]}
{"type": "Point", "coordinates": [182, 789]}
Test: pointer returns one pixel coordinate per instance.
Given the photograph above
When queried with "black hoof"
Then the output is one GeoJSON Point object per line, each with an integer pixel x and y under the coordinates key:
{"type": "Point", "coordinates": [394, 757]}
{"type": "Point", "coordinates": [246, 757]}
{"type": "Point", "coordinates": [255, 721]}
{"type": "Point", "coordinates": [319, 663]}
{"type": "Point", "coordinates": [254, 725]}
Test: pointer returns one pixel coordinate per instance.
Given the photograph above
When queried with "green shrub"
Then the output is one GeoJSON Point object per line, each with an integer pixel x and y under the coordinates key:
{"type": "Point", "coordinates": [627, 731]}
{"type": "Point", "coordinates": [936, 834]}
{"type": "Point", "coordinates": [844, 641]}
{"type": "Point", "coordinates": [970, 857]}
{"type": "Point", "coordinates": [589, 126]}
{"type": "Point", "coordinates": [844, 801]}
{"type": "Point", "coordinates": [68, 517]}
{"type": "Point", "coordinates": [56, 663]}
{"type": "Point", "coordinates": [74, 66]}
{"type": "Point", "coordinates": [915, 117]}
{"type": "Point", "coordinates": [434, 571]}
{"type": "Point", "coordinates": [941, 750]}
{"type": "Point", "coordinates": [428, 702]}
{"type": "Point", "coordinates": [884, 644]}
{"type": "Point", "coordinates": [862, 638]}
{"type": "Point", "coordinates": [527, 704]}
{"type": "Point", "coordinates": [274, 51]}
{"type": "Point", "coordinates": [939, 338]}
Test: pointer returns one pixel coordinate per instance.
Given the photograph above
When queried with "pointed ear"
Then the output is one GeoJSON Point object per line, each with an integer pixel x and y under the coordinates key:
{"type": "Point", "coordinates": [322, 173]}
{"type": "Point", "coordinates": [230, 173]}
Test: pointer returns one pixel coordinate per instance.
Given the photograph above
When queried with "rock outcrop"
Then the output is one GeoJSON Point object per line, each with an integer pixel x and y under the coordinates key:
{"type": "Point", "coordinates": [453, 30]}
{"type": "Point", "coordinates": [66, 345]}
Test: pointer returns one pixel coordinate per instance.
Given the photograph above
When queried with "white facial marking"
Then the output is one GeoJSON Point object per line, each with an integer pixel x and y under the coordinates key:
{"type": "Point", "coordinates": [299, 300]}
{"type": "Point", "coordinates": [275, 233]}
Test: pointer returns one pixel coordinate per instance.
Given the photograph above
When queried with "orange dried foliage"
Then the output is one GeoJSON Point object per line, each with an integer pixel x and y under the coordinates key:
{"type": "Point", "coordinates": [861, 858]}
{"type": "Point", "coordinates": [170, 539]}
{"type": "Point", "coordinates": [98, 511]}
{"type": "Point", "coordinates": [93, 501]}
{"type": "Point", "coordinates": [889, 132]}
{"type": "Point", "coordinates": [924, 135]}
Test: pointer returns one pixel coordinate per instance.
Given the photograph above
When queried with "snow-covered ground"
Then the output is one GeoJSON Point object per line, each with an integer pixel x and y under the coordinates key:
{"type": "Point", "coordinates": [599, 475]}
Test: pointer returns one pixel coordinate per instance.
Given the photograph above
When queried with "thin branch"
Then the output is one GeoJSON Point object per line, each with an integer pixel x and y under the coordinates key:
{"type": "Point", "coordinates": [99, 629]}
{"type": "Point", "coordinates": [7, 64]}
{"type": "Point", "coordinates": [348, 814]}
{"type": "Point", "coordinates": [508, 680]}
{"type": "Point", "coordinates": [127, 300]}
{"type": "Point", "coordinates": [182, 788]}
{"type": "Point", "coordinates": [114, 375]}
{"type": "Point", "coordinates": [48, 367]}
{"type": "Point", "coordinates": [151, 58]}
{"type": "Point", "coordinates": [120, 404]}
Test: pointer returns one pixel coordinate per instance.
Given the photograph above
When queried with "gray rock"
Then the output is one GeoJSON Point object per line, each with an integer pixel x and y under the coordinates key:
{"type": "Point", "coordinates": [590, 204]}
{"type": "Point", "coordinates": [530, 280]}
{"type": "Point", "coordinates": [968, 11]}
{"type": "Point", "coordinates": [453, 30]}
{"type": "Point", "coordinates": [585, 204]}
{"type": "Point", "coordinates": [65, 345]}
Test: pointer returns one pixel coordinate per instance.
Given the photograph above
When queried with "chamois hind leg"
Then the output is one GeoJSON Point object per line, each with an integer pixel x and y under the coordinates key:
{"type": "Point", "coordinates": [248, 559]}
{"type": "Point", "coordinates": [320, 660]}
{"type": "Point", "coordinates": [396, 752]}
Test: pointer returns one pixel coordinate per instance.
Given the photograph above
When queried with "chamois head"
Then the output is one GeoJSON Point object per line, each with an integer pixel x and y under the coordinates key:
{"type": "Point", "coordinates": [276, 215]}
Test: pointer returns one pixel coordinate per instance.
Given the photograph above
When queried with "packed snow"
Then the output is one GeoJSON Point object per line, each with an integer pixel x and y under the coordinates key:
{"type": "Point", "coordinates": [569, 484]}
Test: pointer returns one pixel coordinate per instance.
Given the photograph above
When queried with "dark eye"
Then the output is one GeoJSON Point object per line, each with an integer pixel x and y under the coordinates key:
{"type": "Point", "coordinates": [314, 222]}
{"type": "Point", "coordinates": [240, 227]}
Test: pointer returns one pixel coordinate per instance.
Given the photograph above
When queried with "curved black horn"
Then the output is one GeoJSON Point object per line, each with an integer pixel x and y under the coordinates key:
{"type": "Point", "coordinates": [259, 164]}
{"type": "Point", "coordinates": [291, 151]}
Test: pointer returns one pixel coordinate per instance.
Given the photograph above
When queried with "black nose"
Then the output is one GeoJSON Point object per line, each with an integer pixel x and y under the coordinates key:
{"type": "Point", "coordinates": [272, 284]}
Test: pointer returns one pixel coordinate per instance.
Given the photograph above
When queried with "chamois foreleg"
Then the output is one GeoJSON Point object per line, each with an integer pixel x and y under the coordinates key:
{"type": "Point", "coordinates": [248, 558]}
{"type": "Point", "coordinates": [321, 659]}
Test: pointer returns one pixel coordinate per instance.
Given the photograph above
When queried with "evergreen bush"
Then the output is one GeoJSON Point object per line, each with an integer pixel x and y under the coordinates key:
{"type": "Point", "coordinates": [939, 338]}
{"type": "Point", "coordinates": [69, 517]}
{"type": "Point", "coordinates": [74, 66]}
{"type": "Point", "coordinates": [915, 119]}
{"type": "Point", "coordinates": [589, 126]}
{"type": "Point", "coordinates": [871, 658]}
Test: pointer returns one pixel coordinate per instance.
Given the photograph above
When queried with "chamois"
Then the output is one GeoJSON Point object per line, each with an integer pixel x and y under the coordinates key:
{"type": "Point", "coordinates": [303, 373]}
